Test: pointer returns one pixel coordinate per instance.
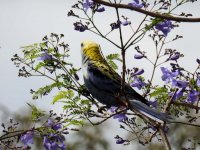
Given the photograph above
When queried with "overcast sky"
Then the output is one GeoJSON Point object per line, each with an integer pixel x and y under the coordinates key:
{"type": "Point", "coordinates": [23, 22]}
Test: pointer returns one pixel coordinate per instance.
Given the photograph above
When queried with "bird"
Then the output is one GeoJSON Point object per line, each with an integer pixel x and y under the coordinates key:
{"type": "Point", "coordinates": [104, 84]}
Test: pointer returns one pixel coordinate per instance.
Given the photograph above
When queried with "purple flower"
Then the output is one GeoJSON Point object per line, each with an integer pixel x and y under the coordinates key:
{"type": "Point", "coordinates": [27, 138]}
{"type": "Point", "coordinates": [179, 83]}
{"type": "Point", "coordinates": [45, 56]}
{"type": "Point", "coordinates": [113, 109]}
{"type": "Point", "coordinates": [198, 61]}
{"type": "Point", "coordinates": [115, 25]}
{"type": "Point", "coordinates": [121, 117]}
{"type": "Point", "coordinates": [136, 3]}
{"type": "Point", "coordinates": [87, 4]}
{"type": "Point", "coordinates": [54, 142]}
{"type": "Point", "coordinates": [78, 26]}
{"type": "Point", "coordinates": [177, 95]}
{"type": "Point", "coordinates": [138, 83]}
{"type": "Point", "coordinates": [165, 27]}
{"type": "Point", "coordinates": [100, 9]}
{"type": "Point", "coordinates": [198, 81]}
{"type": "Point", "coordinates": [53, 125]}
{"type": "Point", "coordinates": [138, 72]}
{"type": "Point", "coordinates": [120, 141]}
{"type": "Point", "coordinates": [175, 56]}
{"type": "Point", "coordinates": [125, 23]}
{"type": "Point", "coordinates": [138, 56]}
{"type": "Point", "coordinates": [167, 75]}
{"type": "Point", "coordinates": [193, 96]}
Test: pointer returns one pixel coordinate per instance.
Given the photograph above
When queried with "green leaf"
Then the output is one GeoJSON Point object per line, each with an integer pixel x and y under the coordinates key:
{"type": "Point", "coordinates": [59, 96]}
{"type": "Point", "coordinates": [36, 113]}
{"type": "Point", "coordinates": [46, 89]}
{"type": "Point", "coordinates": [39, 65]}
{"type": "Point", "coordinates": [158, 92]}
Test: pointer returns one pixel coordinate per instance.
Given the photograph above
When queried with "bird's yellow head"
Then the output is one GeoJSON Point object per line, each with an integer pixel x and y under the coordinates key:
{"type": "Point", "coordinates": [91, 50]}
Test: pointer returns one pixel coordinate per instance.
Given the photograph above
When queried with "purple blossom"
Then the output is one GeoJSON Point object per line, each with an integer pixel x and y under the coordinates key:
{"type": "Point", "coordinates": [53, 125]}
{"type": "Point", "coordinates": [138, 72]}
{"type": "Point", "coordinates": [27, 138]}
{"type": "Point", "coordinates": [136, 3]}
{"type": "Point", "coordinates": [138, 56]}
{"type": "Point", "coordinates": [100, 9]}
{"type": "Point", "coordinates": [175, 56]}
{"type": "Point", "coordinates": [78, 26]}
{"type": "Point", "coordinates": [113, 109]}
{"type": "Point", "coordinates": [115, 25]}
{"type": "Point", "coordinates": [120, 141]}
{"type": "Point", "coordinates": [125, 23]}
{"type": "Point", "coordinates": [198, 61]}
{"type": "Point", "coordinates": [198, 81]}
{"type": "Point", "coordinates": [45, 56]}
{"type": "Point", "coordinates": [177, 95]}
{"type": "Point", "coordinates": [193, 96]}
{"type": "Point", "coordinates": [87, 4]}
{"type": "Point", "coordinates": [167, 75]}
{"type": "Point", "coordinates": [54, 142]}
{"type": "Point", "coordinates": [179, 83]}
{"type": "Point", "coordinates": [121, 117]}
{"type": "Point", "coordinates": [138, 83]}
{"type": "Point", "coordinates": [165, 27]}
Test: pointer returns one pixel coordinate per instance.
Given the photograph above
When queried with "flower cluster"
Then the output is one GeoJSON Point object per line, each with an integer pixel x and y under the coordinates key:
{"type": "Point", "coordinates": [137, 81]}
{"type": "Point", "coordinates": [120, 116]}
{"type": "Point", "coordinates": [191, 94]}
{"type": "Point", "coordinates": [51, 141]}
{"type": "Point", "coordinates": [136, 3]}
{"type": "Point", "coordinates": [90, 4]}
{"type": "Point", "coordinates": [165, 27]}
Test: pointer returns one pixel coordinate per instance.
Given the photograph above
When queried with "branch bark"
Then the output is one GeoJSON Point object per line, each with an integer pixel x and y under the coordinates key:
{"type": "Point", "coordinates": [152, 14]}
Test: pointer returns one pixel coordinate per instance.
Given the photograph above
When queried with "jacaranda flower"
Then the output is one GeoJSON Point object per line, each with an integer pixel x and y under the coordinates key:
{"type": "Point", "coordinates": [125, 23]}
{"type": "Point", "coordinates": [138, 56]}
{"type": "Point", "coordinates": [115, 25]}
{"type": "Point", "coordinates": [100, 9]}
{"type": "Point", "coordinates": [80, 27]}
{"type": "Point", "coordinates": [121, 117]}
{"type": "Point", "coordinates": [138, 72]}
{"type": "Point", "coordinates": [177, 95]}
{"type": "Point", "coordinates": [54, 142]}
{"type": "Point", "coordinates": [165, 27]}
{"type": "Point", "coordinates": [179, 83]}
{"type": "Point", "coordinates": [193, 96]}
{"type": "Point", "coordinates": [27, 138]}
{"type": "Point", "coordinates": [53, 125]}
{"type": "Point", "coordinates": [137, 82]}
{"type": "Point", "coordinates": [87, 4]}
{"type": "Point", "coordinates": [168, 75]}
{"type": "Point", "coordinates": [45, 56]}
{"type": "Point", "coordinates": [175, 56]}
{"type": "Point", "coordinates": [136, 3]}
{"type": "Point", "coordinates": [120, 141]}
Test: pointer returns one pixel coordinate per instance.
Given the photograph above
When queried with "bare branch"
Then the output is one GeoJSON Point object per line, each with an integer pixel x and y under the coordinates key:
{"type": "Point", "coordinates": [152, 14]}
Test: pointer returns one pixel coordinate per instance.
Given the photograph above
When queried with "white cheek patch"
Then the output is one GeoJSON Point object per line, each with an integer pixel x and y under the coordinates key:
{"type": "Point", "coordinates": [85, 73]}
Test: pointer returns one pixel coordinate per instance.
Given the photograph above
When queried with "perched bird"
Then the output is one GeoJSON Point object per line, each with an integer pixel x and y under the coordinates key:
{"type": "Point", "coordinates": [105, 84]}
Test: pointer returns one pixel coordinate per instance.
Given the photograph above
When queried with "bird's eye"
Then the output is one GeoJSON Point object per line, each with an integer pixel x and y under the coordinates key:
{"type": "Point", "coordinates": [81, 44]}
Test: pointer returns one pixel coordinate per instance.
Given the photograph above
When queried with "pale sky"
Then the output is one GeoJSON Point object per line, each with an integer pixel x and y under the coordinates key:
{"type": "Point", "coordinates": [23, 22]}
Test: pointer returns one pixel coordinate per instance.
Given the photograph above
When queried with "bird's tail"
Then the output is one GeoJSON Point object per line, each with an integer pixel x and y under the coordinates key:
{"type": "Point", "coordinates": [151, 113]}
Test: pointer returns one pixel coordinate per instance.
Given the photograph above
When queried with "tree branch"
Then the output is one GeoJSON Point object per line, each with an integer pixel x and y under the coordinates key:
{"type": "Point", "coordinates": [164, 138]}
{"type": "Point", "coordinates": [152, 14]}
